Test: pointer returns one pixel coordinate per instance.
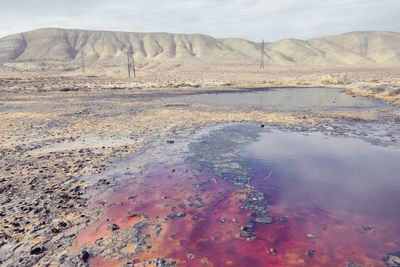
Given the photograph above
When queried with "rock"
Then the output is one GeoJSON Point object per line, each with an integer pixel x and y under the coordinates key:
{"type": "Point", "coordinates": [133, 214]}
{"type": "Point", "coordinates": [129, 264]}
{"type": "Point", "coordinates": [311, 236]}
{"type": "Point", "coordinates": [171, 141]}
{"type": "Point", "coordinates": [191, 256]}
{"type": "Point", "coordinates": [55, 230]}
{"type": "Point", "coordinates": [113, 227]}
{"type": "Point", "coordinates": [196, 202]}
{"type": "Point", "coordinates": [62, 224]}
{"type": "Point", "coordinates": [282, 219]}
{"type": "Point", "coordinates": [164, 263]}
{"type": "Point", "coordinates": [84, 256]}
{"type": "Point", "coordinates": [37, 250]}
{"type": "Point", "coordinates": [181, 214]}
{"type": "Point", "coordinates": [158, 229]}
{"type": "Point", "coordinates": [352, 264]}
{"type": "Point", "coordinates": [311, 253]}
{"type": "Point", "coordinates": [272, 251]}
{"type": "Point", "coordinates": [264, 219]}
{"type": "Point", "coordinates": [247, 234]}
{"type": "Point", "coordinates": [369, 229]}
{"type": "Point", "coordinates": [176, 215]}
{"type": "Point", "coordinates": [132, 197]}
{"type": "Point", "coordinates": [392, 259]}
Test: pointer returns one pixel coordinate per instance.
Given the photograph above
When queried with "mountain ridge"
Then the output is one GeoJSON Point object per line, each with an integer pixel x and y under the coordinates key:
{"type": "Point", "coordinates": [64, 47]}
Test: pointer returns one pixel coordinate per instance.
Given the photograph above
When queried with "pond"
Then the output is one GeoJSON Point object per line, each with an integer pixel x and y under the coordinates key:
{"type": "Point", "coordinates": [284, 98]}
{"type": "Point", "coordinates": [241, 195]}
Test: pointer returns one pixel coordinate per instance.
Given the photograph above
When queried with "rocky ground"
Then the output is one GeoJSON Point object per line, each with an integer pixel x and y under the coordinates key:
{"type": "Point", "coordinates": [381, 82]}
{"type": "Point", "coordinates": [56, 130]}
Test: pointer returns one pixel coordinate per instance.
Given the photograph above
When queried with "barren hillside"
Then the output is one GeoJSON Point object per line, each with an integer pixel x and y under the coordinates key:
{"type": "Point", "coordinates": [62, 48]}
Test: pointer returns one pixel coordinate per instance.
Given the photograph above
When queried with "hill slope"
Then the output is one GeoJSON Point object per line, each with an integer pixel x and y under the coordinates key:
{"type": "Point", "coordinates": [64, 47]}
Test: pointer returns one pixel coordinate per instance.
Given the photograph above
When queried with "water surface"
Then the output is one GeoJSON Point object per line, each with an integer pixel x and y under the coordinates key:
{"type": "Point", "coordinates": [242, 195]}
{"type": "Point", "coordinates": [283, 98]}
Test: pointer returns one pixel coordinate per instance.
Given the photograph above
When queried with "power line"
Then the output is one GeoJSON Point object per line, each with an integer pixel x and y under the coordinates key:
{"type": "Point", "coordinates": [149, 13]}
{"type": "Point", "coordinates": [264, 13]}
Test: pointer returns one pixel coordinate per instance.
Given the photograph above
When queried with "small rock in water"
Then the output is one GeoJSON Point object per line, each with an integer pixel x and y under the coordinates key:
{"type": "Point", "coordinates": [282, 219]}
{"type": "Point", "coordinates": [113, 227]}
{"type": "Point", "coordinates": [247, 234]}
{"type": "Point", "coordinates": [311, 236]}
{"type": "Point", "coordinates": [392, 259]}
{"type": "Point", "coordinates": [264, 219]}
{"type": "Point", "coordinates": [179, 214]}
{"type": "Point", "coordinates": [352, 264]}
{"type": "Point", "coordinates": [164, 263]}
{"type": "Point", "coordinates": [272, 251]}
{"type": "Point", "coordinates": [311, 253]}
{"type": "Point", "coordinates": [132, 214]}
{"type": "Point", "coordinates": [191, 256]}
{"type": "Point", "coordinates": [369, 229]}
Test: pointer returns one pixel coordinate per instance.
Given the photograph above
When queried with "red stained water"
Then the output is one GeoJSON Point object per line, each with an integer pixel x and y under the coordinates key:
{"type": "Point", "coordinates": [201, 232]}
{"type": "Point", "coordinates": [209, 236]}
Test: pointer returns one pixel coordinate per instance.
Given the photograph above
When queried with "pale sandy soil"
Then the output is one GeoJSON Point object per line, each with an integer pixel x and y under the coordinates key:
{"type": "Point", "coordinates": [380, 82]}
{"type": "Point", "coordinates": [56, 129]}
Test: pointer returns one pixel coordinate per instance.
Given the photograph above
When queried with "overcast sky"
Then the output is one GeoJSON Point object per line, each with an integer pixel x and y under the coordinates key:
{"type": "Point", "coordinates": [250, 19]}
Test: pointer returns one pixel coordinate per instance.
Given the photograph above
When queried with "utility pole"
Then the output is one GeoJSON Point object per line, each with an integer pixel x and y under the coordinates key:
{"type": "Point", "coordinates": [131, 66]}
{"type": "Point", "coordinates": [129, 63]}
{"type": "Point", "coordinates": [262, 55]}
{"type": "Point", "coordinates": [83, 62]}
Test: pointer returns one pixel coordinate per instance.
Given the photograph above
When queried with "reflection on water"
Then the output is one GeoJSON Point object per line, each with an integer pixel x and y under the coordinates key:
{"type": "Point", "coordinates": [334, 173]}
{"type": "Point", "coordinates": [294, 98]}
{"type": "Point", "coordinates": [343, 191]}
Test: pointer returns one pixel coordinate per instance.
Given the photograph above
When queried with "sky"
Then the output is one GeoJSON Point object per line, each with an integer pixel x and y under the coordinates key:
{"type": "Point", "coordinates": [255, 20]}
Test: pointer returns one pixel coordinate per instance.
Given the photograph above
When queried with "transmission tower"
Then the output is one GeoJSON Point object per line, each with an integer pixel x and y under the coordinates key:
{"type": "Point", "coordinates": [83, 62]}
{"type": "Point", "coordinates": [262, 66]}
{"type": "Point", "coordinates": [131, 63]}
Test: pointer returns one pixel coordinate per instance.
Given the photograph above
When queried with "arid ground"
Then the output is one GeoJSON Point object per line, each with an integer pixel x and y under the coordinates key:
{"type": "Point", "coordinates": [57, 129]}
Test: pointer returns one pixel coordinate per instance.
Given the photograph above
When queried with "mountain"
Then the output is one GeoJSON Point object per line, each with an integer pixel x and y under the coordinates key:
{"type": "Point", "coordinates": [63, 47]}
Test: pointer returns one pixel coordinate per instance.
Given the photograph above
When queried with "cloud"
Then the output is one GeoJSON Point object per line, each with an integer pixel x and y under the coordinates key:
{"type": "Point", "coordinates": [251, 19]}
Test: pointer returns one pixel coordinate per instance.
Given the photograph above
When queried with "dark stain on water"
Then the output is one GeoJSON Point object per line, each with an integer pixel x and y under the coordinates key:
{"type": "Point", "coordinates": [287, 98]}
